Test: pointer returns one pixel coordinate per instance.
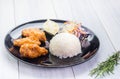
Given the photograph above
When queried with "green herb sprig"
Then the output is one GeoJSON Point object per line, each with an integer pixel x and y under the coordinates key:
{"type": "Point", "coordinates": [106, 67]}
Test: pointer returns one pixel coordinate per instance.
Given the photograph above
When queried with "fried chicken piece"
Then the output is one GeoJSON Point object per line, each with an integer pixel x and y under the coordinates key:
{"type": "Point", "coordinates": [32, 51]}
{"type": "Point", "coordinates": [37, 33]}
{"type": "Point", "coordinates": [27, 40]}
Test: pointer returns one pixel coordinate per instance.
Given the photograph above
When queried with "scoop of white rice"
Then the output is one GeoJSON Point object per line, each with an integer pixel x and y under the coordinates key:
{"type": "Point", "coordinates": [65, 45]}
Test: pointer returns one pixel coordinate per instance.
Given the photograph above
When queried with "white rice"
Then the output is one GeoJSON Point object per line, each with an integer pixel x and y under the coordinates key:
{"type": "Point", "coordinates": [65, 45]}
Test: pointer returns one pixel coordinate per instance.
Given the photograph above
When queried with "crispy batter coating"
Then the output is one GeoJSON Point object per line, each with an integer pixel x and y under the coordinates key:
{"type": "Point", "coordinates": [32, 51]}
{"type": "Point", "coordinates": [30, 45]}
{"type": "Point", "coordinates": [35, 32]}
{"type": "Point", "coordinates": [27, 40]}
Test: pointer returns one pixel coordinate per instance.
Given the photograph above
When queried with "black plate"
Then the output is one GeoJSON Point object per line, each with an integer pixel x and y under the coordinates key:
{"type": "Point", "coordinates": [89, 42]}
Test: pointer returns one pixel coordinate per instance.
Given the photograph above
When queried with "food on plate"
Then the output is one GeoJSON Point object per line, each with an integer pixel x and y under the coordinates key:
{"type": "Point", "coordinates": [73, 28]}
{"type": "Point", "coordinates": [65, 42]}
{"type": "Point", "coordinates": [30, 44]}
{"type": "Point", "coordinates": [34, 32]}
{"type": "Point", "coordinates": [51, 27]}
{"type": "Point", "coordinates": [32, 50]}
{"type": "Point", "coordinates": [65, 45]}
{"type": "Point", "coordinates": [27, 40]}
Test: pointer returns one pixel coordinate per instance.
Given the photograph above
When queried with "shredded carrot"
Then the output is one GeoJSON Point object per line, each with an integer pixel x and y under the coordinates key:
{"type": "Point", "coordinates": [77, 29]}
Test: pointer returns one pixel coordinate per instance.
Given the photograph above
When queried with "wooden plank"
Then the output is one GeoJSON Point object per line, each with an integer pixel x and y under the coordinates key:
{"type": "Point", "coordinates": [62, 9]}
{"type": "Point", "coordinates": [27, 10]}
{"type": "Point", "coordinates": [8, 65]}
{"type": "Point", "coordinates": [32, 72]}
{"type": "Point", "coordinates": [109, 14]}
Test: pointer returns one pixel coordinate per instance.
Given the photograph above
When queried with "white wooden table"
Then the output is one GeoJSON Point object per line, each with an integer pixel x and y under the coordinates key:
{"type": "Point", "coordinates": [101, 16]}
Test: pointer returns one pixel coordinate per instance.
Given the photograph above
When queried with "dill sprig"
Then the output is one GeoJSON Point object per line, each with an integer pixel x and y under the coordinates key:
{"type": "Point", "coordinates": [106, 67]}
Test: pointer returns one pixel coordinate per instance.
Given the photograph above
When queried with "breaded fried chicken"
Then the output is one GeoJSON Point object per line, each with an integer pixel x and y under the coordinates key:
{"type": "Point", "coordinates": [35, 32]}
{"type": "Point", "coordinates": [32, 51]}
{"type": "Point", "coordinates": [27, 40]}
{"type": "Point", "coordinates": [30, 45]}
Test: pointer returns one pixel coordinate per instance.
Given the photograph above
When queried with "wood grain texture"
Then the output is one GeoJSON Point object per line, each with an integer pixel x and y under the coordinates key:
{"type": "Point", "coordinates": [8, 65]}
{"type": "Point", "coordinates": [27, 10]}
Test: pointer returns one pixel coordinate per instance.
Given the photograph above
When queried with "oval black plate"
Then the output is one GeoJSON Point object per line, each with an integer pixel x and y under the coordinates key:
{"type": "Point", "coordinates": [89, 42]}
